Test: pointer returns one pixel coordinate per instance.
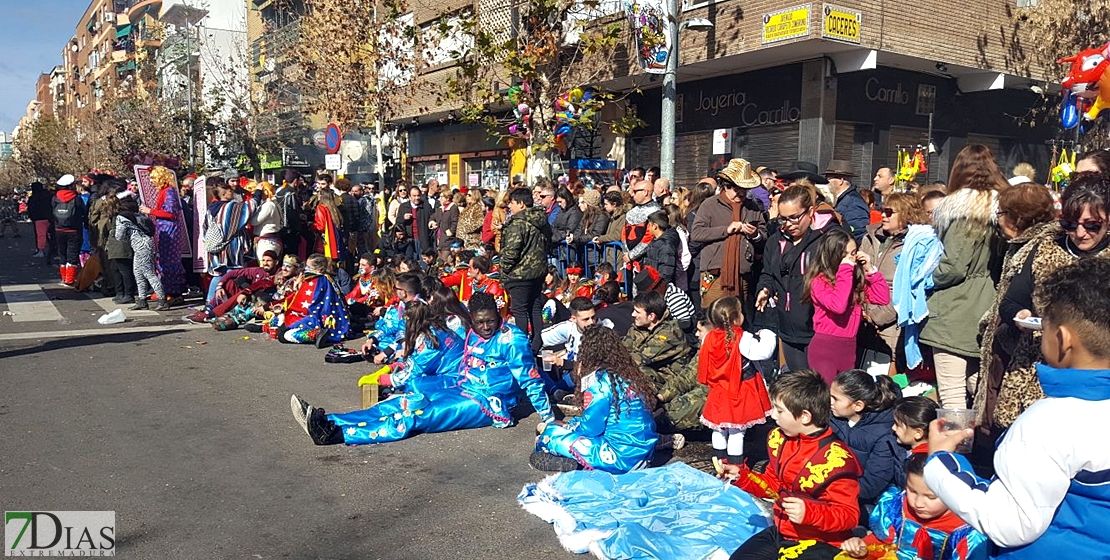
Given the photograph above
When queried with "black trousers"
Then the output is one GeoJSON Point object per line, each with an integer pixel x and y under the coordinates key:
{"type": "Point", "coordinates": [526, 306]}
{"type": "Point", "coordinates": [795, 355]}
{"type": "Point", "coordinates": [125, 277]}
{"type": "Point", "coordinates": [768, 544]}
{"type": "Point", "coordinates": [69, 246]}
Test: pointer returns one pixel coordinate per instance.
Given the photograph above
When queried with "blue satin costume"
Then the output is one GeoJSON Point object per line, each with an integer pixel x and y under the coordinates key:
{"type": "Point", "coordinates": [428, 367]}
{"type": "Point", "coordinates": [490, 381]}
{"type": "Point", "coordinates": [603, 438]}
{"type": "Point", "coordinates": [892, 524]}
{"type": "Point", "coordinates": [389, 330]}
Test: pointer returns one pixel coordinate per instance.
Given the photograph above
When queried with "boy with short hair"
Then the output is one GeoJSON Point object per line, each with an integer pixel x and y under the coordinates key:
{"type": "Point", "coordinates": [811, 475]}
{"type": "Point", "coordinates": [1050, 494]}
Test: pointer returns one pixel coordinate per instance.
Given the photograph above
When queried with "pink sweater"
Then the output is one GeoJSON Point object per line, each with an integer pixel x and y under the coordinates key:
{"type": "Point", "coordinates": [834, 312]}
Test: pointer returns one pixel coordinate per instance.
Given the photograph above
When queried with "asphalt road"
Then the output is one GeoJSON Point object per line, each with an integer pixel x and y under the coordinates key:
{"type": "Point", "coordinates": [186, 434]}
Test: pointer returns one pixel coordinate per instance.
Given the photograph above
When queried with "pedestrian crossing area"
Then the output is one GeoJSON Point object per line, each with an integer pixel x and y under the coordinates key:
{"type": "Point", "coordinates": [55, 303]}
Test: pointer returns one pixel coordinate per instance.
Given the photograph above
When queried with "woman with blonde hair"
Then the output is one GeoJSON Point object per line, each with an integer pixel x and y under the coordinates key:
{"type": "Point", "coordinates": [471, 218]}
{"type": "Point", "coordinates": [964, 280]}
{"type": "Point", "coordinates": [266, 221]}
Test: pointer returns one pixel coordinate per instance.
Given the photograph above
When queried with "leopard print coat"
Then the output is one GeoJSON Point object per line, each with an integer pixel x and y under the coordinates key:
{"type": "Point", "coordinates": [1020, 387]}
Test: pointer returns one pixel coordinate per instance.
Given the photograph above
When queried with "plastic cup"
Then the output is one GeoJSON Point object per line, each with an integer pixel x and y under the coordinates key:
{"type": "Point", "coordinates": [958, 419]}
{"type": "Point", "coordinates": [545, 359]}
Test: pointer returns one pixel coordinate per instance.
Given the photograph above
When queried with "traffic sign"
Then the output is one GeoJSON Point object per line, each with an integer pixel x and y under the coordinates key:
{"type": "Point", "coordinates": [333, 162]}
{"type": "Point", "coordinates": [333, 138]}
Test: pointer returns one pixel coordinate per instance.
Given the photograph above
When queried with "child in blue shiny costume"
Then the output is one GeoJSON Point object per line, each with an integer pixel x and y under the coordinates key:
{"type": "Point", "coordinates": [497, 364]}
{"type": "Point", "coordinates": [616, 431]}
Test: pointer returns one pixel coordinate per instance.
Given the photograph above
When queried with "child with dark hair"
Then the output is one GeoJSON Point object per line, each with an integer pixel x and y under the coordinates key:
{"type": "Point", "coordinates": [912, 416]}
{"type": "Point", "coordinates": [811, 475]}
{"type": "Point", "coordinates": [862, 417]}
{"type": "Point", "coordinates": [1050, 495]}
{"type": "Point", "coordinates": [838, 282]}
{"type": "Point", "coordinates": [915, 523]}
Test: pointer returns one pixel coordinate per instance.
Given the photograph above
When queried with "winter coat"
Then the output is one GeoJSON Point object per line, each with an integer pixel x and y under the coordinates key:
{"type": "Point", "coordinates": [266, 219]}
{"type": "Point", "coordinates": [854, 211]}
{"type": "Point", "coordinates": [615, 226]}
{"type": "Point", "coordinates": [39, 206]}
{"type": "Point", "coordinates": [875, 446]}
{"type": "Point", "coordinates": [524, 244]}
{"type": "Point", "coordinates": [1000, 339]}
{"type": "Point", "coordinates": [964, 281]}
{"type": "Point", "coordinates": [447, 220]}
{"type": "Point", "coordinates": [471, 220]}
{"type": "Point", "coordinates": [348, 208]}
{"type": "Point", "coordinates": [709, 227]}
{"type": "Point", "coordinates": [884, 250]}
{"type": "Point", "coordinates": [597, 228]}
{"type": "Point", "coordinates": [100, 223]}
{"type": "Point", "coordinates": [567, 222]}
{"type": "Point", "coordinates": [420, 216]}
{"type": "Point", "coordinates": [113, 245]}
{"type": "Point", "coordinates": [784, 268]}
{"type": "Point", "coordinates": [662, 253]}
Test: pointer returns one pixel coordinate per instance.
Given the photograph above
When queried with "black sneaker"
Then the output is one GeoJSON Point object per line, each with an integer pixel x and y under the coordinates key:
{"type": "Point", "coordinates": [544, 461]}
{"type": "Point", "coordinates": [140, 303]}
{"type": "Point", "coordinates": [321, 339]}
{"type": "Point", "coordinates": [320, 429]}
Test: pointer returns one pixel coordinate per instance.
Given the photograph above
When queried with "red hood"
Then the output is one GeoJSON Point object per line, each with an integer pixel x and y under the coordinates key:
{"type": "Point", "coordinates": [66, 195]}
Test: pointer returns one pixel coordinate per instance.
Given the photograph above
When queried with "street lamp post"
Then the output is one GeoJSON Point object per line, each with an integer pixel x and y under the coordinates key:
{"type": "Point", "coordinates": [667, 125]}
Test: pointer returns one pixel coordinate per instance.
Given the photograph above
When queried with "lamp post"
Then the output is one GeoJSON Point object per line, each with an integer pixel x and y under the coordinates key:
{"type": "Point", "coordinates": [670, 90]}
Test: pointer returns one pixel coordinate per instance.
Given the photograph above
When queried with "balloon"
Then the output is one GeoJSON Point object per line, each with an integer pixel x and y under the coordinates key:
{"type": "Point", "coordinates": [1069, 113]}
{"type": "Point", "coordinates": [523, 109]}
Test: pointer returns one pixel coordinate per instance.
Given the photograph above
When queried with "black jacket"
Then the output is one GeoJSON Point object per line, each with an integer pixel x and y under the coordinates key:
{"type": "Point", "coordinates": [421, 215]}
{"type": "Point", "coordinates": [568, 221]}
{"type": "Point", "coordinates": [662, 253]}
{"type": "Point", "coordinates": [39, 205]}
{"type": "Point", "coordinates": [853, 208]}
{"type": "Point", "coordinates": [876, 448]}
{"type": "Point", "coordinates": [784, 275]}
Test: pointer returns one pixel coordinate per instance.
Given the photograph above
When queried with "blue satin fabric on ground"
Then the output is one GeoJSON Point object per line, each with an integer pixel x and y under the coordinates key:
{"type": "Point", "coordinates": [603, 438]}
{"type": "Point", "coordinates": [493, 373]}
{"type": "Point", "coordinates": [672, 512]}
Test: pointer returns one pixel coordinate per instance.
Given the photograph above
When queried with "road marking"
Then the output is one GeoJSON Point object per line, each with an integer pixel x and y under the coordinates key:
{"type": "Point", "coordinates": [101, 332]}
{"type": "Point", "coordinates": [28, 302]}
{"type": "Point", "coordinates": [108, 305]}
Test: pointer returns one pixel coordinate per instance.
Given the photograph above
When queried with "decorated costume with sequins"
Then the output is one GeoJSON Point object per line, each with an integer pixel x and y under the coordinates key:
{"type": "Point", "coordinates": [315, 305]}
{"type": "Point", "coordinates": [430, 367]}
{"type": "Point", "coordinates": [494, 371]}
{"type": "Point", "coordinates": [945, 538]}
{"type": "Point", "coordinates": [615, 433]}
{"type": "Point", "coordinates": [389, 330]}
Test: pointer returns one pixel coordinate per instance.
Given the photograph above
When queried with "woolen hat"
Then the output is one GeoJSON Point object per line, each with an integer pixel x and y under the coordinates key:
{"type": "Point", "coordinates": [739, 172]}
{"type": "Point", "coordinates": [591, 197]}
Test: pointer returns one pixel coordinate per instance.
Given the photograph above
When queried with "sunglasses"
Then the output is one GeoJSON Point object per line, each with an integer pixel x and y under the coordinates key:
{"type": "Point", "coordinates": [888, 212]}
{"type": "Point", "coordinates": [1092, 226]}
{"type": "Point", "coordinates": [775, 192]}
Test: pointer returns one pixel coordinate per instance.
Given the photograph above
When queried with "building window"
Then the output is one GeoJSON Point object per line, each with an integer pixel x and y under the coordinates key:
{"type": "Point", "coordinates": [695, 4]}
{"type": "Point", "coordinates": [443, 47]}
{"type": "Point", "coordinates": [1027, 3]}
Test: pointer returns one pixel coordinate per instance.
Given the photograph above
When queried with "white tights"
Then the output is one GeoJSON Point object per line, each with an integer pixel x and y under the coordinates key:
{"type": "Point", "coordinates": [730, 440]}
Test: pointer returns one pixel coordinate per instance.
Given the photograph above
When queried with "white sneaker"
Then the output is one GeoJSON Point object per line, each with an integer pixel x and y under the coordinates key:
{"type": "Point", "coordinates": [301, 410]}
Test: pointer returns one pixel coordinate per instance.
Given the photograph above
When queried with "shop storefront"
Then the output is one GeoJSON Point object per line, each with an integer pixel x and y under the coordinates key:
{"type": "Point", "coordinates": [425, 168]}
{"type": "Point", "coordinates": [486, 170]}
{"type": "Point", "coordinates": [754, 115]}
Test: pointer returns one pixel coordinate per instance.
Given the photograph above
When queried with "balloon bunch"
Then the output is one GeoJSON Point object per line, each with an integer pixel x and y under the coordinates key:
{"type": "Point", "coordinates": [572, 109]}
{"type": "Point", "coordinates": [521, 127]}
{"type": "Point", "coordinates": [1086, 87]}
{"type": "Point", "coordinates": [1061, 172]}
{"type": "Point", "coordinates": [910, 165]}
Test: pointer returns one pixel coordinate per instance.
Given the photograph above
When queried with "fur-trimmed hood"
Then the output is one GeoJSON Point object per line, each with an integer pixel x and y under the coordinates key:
{"type": "Point", "coordinates": [978, 208]}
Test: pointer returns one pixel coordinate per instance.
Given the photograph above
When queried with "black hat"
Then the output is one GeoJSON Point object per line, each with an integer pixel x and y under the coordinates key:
{"type": "Point", "coordinates": [804, 170]}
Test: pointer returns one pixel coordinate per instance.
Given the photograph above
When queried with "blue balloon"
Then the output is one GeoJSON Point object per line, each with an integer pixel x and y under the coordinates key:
{"type": "Point", "coordinates": [661, 56]}
{"type": "Point", "coordinates": [1069, 113]}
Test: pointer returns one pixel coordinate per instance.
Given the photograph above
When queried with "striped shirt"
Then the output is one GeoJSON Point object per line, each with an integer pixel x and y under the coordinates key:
{"type": "Point", "coordinates": [678, 303]}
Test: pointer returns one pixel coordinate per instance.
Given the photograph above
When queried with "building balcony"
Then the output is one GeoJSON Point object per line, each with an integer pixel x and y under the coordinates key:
{"type": "Point", "coordinates": [139, 9]}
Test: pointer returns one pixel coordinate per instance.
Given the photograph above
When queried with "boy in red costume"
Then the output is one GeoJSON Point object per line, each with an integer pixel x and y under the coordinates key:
{"type": "Point", "coordinates": [811, 475]}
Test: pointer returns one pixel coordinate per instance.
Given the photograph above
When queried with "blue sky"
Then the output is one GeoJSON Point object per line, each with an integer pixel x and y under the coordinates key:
{"type": "Point", "coordinates": [32, 34]}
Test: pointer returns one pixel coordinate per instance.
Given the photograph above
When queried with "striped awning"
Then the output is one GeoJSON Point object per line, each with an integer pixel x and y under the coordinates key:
{"type": "Point", "coordinates": [123, 31]}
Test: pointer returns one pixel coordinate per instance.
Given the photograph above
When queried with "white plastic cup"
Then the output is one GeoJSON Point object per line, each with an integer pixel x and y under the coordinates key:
{"type": "Point", "coordinates": [958, 419]}
{"type": "Point", "coordinates": [545, 359]}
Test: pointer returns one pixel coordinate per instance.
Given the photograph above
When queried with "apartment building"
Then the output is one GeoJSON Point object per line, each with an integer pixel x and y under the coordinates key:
{"type": "Point", "coordinates": [788, 80]}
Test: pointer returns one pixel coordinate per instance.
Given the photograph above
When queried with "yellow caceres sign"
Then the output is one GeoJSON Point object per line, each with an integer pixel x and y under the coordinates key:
{"type": "Point", "coordinates": [786, 24]}
{"type": "Point", "coordinates": [841, 24]}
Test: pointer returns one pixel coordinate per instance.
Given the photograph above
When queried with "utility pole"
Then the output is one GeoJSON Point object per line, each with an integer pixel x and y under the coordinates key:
{"type": "Point", "coordinates": [189, 84]}
{"type": "Point", "coordinates": [667, 113]}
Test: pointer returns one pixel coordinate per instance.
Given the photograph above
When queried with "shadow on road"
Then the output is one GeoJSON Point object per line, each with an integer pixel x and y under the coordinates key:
{"type": "Point", "coordinates": [90, 340]}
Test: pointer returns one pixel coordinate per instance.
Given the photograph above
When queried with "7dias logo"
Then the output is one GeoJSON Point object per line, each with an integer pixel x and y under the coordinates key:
{"type": "Point", "coordinates": [60, 533]}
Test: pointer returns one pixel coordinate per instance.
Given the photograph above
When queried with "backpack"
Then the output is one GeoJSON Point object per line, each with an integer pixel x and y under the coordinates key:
{"type": "Point", "coordinates": [64, 212]}
{"type": "Point", "coordinates": [290, 214]}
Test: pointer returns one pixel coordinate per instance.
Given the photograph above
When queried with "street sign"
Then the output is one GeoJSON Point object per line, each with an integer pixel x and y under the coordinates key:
{"type": "Point", "coordinates": [333, 162]}
{"type": "Point", "coordinates": [841, 24]}
{"type": "Point", "coordinates": [333, 138]}
{"type": "Point", "coordinates": [786, 24]}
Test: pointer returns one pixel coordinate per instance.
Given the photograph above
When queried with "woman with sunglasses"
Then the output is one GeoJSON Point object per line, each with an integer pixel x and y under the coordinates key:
{"type": "Point", "coordinates": [964, 279]}
{"type": "Point", "coordinates": [1081, 232]}
{"type": "Point", "coordinates": [884, 241]}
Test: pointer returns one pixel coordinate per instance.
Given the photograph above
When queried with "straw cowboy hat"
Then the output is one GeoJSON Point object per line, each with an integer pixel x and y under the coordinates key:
{"type": "Point", "coordinates": [739, 172]}
{"type": "Point", "coordinates": [839, 168]}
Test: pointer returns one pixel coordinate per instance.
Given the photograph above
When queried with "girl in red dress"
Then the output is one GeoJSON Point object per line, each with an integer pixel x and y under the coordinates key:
{"type": "Point", "coordinates": [737, 394]}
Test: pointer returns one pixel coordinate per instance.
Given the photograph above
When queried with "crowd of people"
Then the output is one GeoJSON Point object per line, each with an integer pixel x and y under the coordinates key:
{"type": "Point", "coordinates": [814, 328]}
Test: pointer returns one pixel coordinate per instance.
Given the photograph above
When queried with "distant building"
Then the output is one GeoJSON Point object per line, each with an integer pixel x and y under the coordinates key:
{"type": "Point", "coordinates": [5, 146]}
